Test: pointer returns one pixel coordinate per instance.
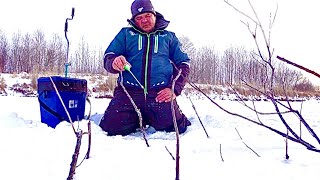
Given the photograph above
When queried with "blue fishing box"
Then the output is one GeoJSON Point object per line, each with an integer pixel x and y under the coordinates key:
{"type": "Point", "coordinates": [73, 93]}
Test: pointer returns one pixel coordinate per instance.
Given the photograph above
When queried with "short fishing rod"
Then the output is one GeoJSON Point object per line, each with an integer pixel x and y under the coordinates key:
{"type": "Point", "coordinates": [127, 67]}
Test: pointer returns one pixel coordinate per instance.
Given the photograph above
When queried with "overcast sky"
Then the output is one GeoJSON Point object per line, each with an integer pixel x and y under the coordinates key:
{"type": "Point", "coordinates": [295, 34]}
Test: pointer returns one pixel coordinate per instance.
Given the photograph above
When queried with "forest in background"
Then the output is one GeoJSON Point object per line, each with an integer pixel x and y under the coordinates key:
{"type": "Point", "coordinates": [38, 54]}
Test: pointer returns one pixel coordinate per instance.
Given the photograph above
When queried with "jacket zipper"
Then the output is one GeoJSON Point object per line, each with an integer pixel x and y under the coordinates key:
{"type": "Point", "coordinates": [146, 67]}
{"type": "Point", "coordinates": [147, 57]}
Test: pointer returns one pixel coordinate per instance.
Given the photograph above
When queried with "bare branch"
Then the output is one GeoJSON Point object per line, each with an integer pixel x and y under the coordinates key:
{"type": "Point", "coordinates": [221, 153]}
{"type": "Point", "coordinates": [170, 153]}
{"type": "Point", "coordinates": [241, 12]}
{"type": "Point", "coordinates": [254, 109]}
{"type": "Point", "coordinates": [176, 127]}
{"type": "Point", "coordinates": [199, 118]}
{"type": "Point", "coordinates": [246, 144]}
{"type": "Point", "coordinates": [136, 109]}
{"type": "Point", "coordinates": [298, 66]}
{"type": "Point", "coordinates": [73, 164]}
{"type": "Point", "coordinates": [294, 139]}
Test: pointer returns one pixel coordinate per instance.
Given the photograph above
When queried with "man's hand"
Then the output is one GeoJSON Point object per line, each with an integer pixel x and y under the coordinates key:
{"type": "Point", "coordinates": [165, 95]}
{"type": "Point", "coordinates": [119, 63]}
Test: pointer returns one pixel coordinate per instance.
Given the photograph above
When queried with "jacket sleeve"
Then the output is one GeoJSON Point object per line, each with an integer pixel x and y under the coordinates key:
{"type": "Point", "coordinates": [183, 79]}
{"type": "Point", "coordinates": [108, 60]}
{"type": "Point", "coordinates": [115, 49]}
{"type": "Point", "coordinates": [181, 61]}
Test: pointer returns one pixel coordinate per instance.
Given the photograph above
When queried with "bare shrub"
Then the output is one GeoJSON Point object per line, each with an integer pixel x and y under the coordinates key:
{"type": "Point", "coordinates": [24, 88]}
{"type": "Point", "coordinates": [24, 75]}
{"type": "Point", "coordinates": [112, 81]}
{"type": "Point", "coordinates": [245, 91]}
{"type": "Point", "coordinates": [14, 75]}
{"type": "Point", "coordinates": [3, 86]}
{"type": "Point", "coordinates": [270, 88]}
{"type": "Point", "coordinates": [218, 90]}
{"type": "Point", "coordinates": [104, 88]}
{"type": "Point", "coordinates": [101, 87]}
{"type": "Point", "coordinates": [304, 85]}
{"type": "Point", "coordinates": [93, 79]}
{"type": "Point", "coordinates": [34, 78]}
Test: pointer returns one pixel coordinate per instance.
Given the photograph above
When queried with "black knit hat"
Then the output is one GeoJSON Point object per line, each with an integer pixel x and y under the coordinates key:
{"type": "Point", "coordinates": [141, 6]}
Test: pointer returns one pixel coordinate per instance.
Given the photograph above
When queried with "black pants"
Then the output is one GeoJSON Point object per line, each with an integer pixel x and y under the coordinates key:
{"type": "Point", "coordinates": [120, 117]}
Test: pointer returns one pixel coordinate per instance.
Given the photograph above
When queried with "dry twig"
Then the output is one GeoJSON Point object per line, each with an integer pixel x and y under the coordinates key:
{"type": "Point", "coordinates": [73, 164]}
{"type": "Point", "coordinates": [221, 154]}
{"type": "Point", "coordinates": [170, 153]}
{"type": "Point", "coordinates": [246, 144]}
{"type": "Point", "coordinates": [199, 118]}
{"type": "Point", "coordinates": [299, 66]}
{"type": "Point", "coordinates": [176, 127]}
{"type": "Point", "coordinates": [137, 110]}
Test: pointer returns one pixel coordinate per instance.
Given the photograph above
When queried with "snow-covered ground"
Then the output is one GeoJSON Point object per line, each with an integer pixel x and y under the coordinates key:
{"type": "Point", "coordinates": [32, 150]}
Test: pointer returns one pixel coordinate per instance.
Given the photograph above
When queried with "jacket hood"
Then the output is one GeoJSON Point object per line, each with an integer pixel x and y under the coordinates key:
{"type": "Point", "coordinates": [161, 22]}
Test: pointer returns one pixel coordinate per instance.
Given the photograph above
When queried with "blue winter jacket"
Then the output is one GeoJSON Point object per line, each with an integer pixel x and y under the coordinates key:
{"type": "Point", "coordinates": [154, 57]}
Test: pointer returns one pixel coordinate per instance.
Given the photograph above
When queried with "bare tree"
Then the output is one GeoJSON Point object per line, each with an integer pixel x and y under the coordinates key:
{"type": "Point", "coordinates": [187, 46]}
{"type": "Point", "coordinates": [286, 77]}
{"type": "Point", "coordinates": [27, 53]}
{"type": "Point", "coordinates": [81, 58]}
{"type": "Point", "coordinates": [96, 63]}
{"type": "Point", "coordinates": [16, 63]}
{"type": "Point", "coordinates": [55, 55]}
{"type": "Point", "coordinates": [39, 52]}
{"type": "Point", "coordinates": [99, 62]}
{"type": "Point", "coordinates": [4, 49]}
{"type": "Point", "coordinates": [265, 55]}
{"type": "Point", "coordinates": [204, 66]}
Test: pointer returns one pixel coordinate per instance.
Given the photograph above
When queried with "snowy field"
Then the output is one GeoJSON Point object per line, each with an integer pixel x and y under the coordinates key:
{"type": "Point", "coordinates": [32, 150]}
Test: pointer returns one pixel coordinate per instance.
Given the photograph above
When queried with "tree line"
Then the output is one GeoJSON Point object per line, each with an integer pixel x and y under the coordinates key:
{"type": "Point", "coordinates": [37, 54]}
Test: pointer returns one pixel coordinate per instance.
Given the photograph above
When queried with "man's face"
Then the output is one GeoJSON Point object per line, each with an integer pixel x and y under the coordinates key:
{"type": "Point", "coordinates": [145, 21]}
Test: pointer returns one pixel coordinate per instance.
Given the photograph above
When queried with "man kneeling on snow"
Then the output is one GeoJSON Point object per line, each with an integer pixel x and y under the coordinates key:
{"type": "Point", "coordinates": [153, 55]}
